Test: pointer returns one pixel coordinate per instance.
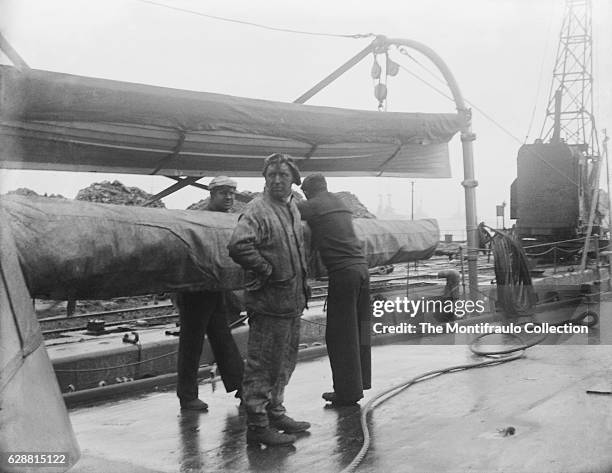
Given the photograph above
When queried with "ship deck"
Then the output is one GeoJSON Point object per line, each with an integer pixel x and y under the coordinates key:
{"type": "Point", "coordinates": [455, 422]}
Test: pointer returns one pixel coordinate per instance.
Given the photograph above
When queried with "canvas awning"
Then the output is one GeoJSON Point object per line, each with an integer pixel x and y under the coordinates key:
{"type": "Point", "coordinates": [52, 121]}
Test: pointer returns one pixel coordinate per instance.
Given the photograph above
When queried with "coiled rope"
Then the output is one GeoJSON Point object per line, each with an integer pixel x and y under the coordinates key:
{"type": "Point", "coordinates": [514, 287]}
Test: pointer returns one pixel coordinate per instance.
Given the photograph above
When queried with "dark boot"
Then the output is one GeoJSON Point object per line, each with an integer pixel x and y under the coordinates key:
{"type": "Point", "coordinates": [288, 425]}
{"type": "Point", "coordinates": [335, 400]}
{"type": "Point", "coordinates": [257, 435]}
{"type": "Point", "coordinates": [194, 405]}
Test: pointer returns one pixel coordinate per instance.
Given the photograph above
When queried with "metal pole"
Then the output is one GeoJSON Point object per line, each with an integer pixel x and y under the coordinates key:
{"type": "Point", "coordinates": [407, 279]}
{"type": "Point", "coordinates": [605, 153]}
{"type": "Point", "coordinates": [467, 137]}
{"type": "Point", "coordinates": [594, 200]}
{"type": "Point", "coordinates": [15, 58]}
{"type": "Point", "coordinates": [173, 188]}
{"type": "Point", "coordinates": [338, 72]}
{"type": "Point", "coordinates": [462, 270]}
{"type": "Point", "coordinates": [412, 200]}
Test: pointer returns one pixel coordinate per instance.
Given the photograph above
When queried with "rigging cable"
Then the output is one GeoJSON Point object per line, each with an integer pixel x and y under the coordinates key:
{"type": "Point", "coordinates": [482, 112]}
{"type": "Point", "coordinates": [257, 25]}
{"type": "Point", "coordinates": [540, 75]}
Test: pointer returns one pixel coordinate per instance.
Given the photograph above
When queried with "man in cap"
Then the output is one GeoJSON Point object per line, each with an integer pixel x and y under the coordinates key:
{"type": "Point", "coordinates": [205, 312]}
{"type": "Point", "coordinates": [268, 243]}
{"type": "Point", "coordinates": [347, 333]}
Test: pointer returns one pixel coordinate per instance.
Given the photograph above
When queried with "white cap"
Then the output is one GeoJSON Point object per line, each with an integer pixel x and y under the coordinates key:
{"type": "Point", "coordinates": [222, 181]}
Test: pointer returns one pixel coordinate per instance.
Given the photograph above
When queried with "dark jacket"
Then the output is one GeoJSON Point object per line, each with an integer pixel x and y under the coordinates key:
{"type": "Point", "coordinates": [268, 242]}
{"type": "Point", "coordinates": [333, 233]}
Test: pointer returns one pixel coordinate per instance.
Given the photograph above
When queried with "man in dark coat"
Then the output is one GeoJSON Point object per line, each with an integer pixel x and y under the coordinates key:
{"type": "Point", "coordinates": [206, 312]}
{"type": "Point", "coordinates": [347, 334]}
{"type": "Point", "coordinates": [268, 242]}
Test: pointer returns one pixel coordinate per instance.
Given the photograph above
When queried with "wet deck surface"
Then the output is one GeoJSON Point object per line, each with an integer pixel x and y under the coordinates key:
{"type": "Point", "coordinates": [448, 424]}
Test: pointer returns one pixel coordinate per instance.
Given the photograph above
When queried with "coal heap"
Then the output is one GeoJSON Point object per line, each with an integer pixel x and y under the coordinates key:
{"type": "Point", "coordinates": [115, 192]}
{"type": "Point", "coordinates": [24, 191]}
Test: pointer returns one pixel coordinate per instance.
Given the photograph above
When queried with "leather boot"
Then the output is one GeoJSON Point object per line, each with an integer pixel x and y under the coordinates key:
{"type": "Point", "coordinates": [288, 425]}
{"type": "Point", "coordinates": [194, 405]}
{"type": "Point", "coordinates": [334, 399]}
{"type": "Point", "coordinates": [257, 435]}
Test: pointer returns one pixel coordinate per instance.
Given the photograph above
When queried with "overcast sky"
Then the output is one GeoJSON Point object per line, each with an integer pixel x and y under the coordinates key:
{"type": "Point", "coordinates": [500, 51]}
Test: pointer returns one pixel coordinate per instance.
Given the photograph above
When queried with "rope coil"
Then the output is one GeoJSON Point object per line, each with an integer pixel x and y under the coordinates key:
{"type": "Point", "coordinates": [514, 286]}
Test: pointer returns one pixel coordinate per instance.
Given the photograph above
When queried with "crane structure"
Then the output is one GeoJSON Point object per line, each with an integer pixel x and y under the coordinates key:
{"type": "Point", "coordinates": [569, 114]}
{"type": "Point", "coordinates": [556, 193]}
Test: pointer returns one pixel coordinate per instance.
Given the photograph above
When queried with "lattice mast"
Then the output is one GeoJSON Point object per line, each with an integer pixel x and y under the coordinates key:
{"type": "Point", "coordinates": [569, 114]}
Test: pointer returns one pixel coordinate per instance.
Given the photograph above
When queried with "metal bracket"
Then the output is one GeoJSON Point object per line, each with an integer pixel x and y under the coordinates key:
{"type": "Point", "coordinates": [382, 167]}
{"type": "Point", "coordinates": [239, 196]}
{"type": "Point", "coordinates": [10, 52]}
{"type": "Point", "coordinates": [467, 136]}
{"type": "Point", "coordinates": [174, 154]}
{"type": "Point", "coordinates": [469, 183]}
{"type": "Point", "coordinates": [173, 188]}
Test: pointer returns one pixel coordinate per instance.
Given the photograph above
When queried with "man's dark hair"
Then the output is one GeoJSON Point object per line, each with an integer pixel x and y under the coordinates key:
{"type": "Point", "coordinates": [278, 159]}
{"type": "Point", "coordinates": [314, 183]}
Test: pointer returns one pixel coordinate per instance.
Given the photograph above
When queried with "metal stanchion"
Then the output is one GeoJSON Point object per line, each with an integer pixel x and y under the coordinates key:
{"type": "Point", "coordinates": [462, 270]}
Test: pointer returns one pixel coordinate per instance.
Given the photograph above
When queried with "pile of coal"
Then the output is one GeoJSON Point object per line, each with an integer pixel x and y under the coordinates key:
{"type": "Point", "coordinates": [24, 191]}
{"type": "Point", "coordinates": [202, 204]}
{"type": "Point", "coordinates": [115, 192]}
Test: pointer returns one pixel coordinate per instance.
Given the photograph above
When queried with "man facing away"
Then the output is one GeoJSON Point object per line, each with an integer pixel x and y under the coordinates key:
{"type": "Point", "coordinates": [268, 242]}
{"type": "Point", "coordinates": [347, 333]}
{"type": "Point", "coordinates": [205, 312]}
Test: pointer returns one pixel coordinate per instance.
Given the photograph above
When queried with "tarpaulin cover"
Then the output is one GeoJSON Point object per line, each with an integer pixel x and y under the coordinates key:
{"type": "Point", "coordinates": [33, 416]}
{"type": "Point", "coordinates": [65, 122]}
{"type": "Point", "coordinates": [81, 250]}
{"type": "Point", "coordinates": [397, 241]}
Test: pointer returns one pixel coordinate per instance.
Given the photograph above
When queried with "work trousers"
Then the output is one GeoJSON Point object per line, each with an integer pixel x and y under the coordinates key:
{"type": "Point", "coordinates": [200, 313]}
{"type": "Point", "coordinates": [348, 331]}
{"type": "Point", "coordinates": [271, 358]}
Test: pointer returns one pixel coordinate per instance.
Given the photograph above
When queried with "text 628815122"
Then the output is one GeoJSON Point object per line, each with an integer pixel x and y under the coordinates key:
{"type": "Point", "coordinates": [31, 459]}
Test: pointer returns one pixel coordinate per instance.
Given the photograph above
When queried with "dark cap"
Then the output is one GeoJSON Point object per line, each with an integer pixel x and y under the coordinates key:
{"type": "Point", "coordinates": [314, 182]}
{"type": "Point", "coordinates": [279, 158]}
